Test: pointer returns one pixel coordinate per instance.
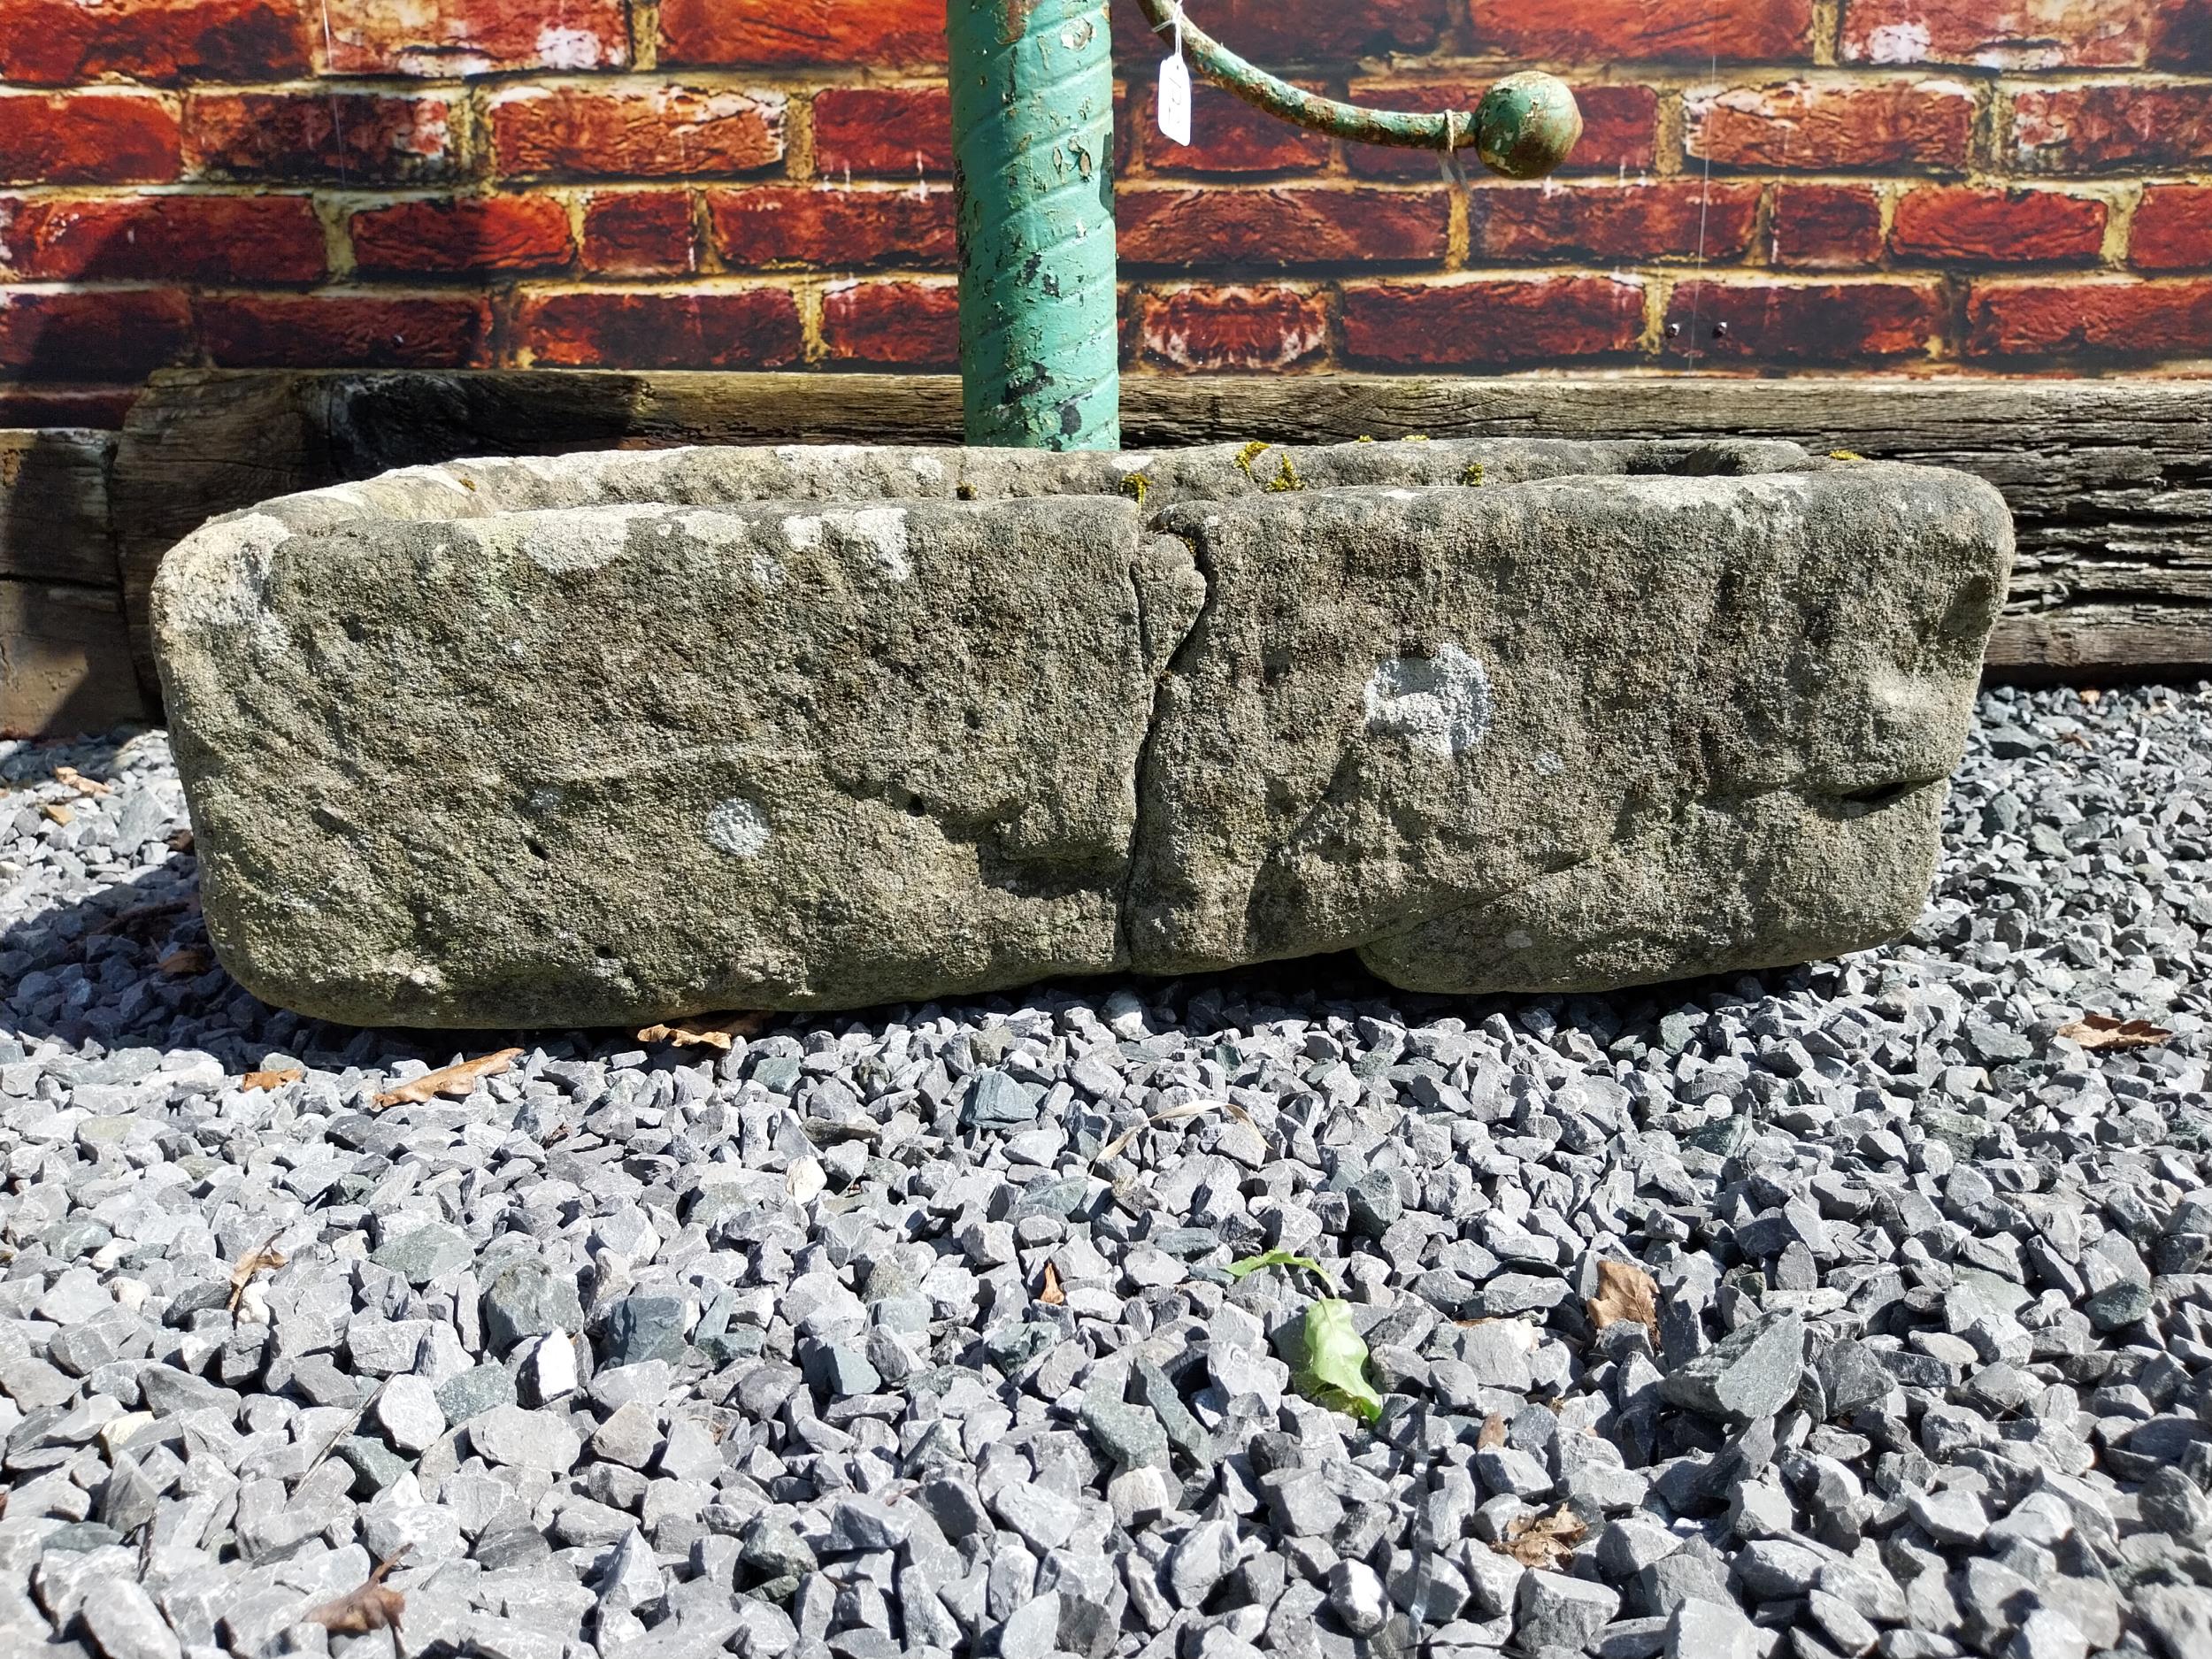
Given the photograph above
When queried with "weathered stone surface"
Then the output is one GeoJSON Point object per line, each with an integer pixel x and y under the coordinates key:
{"type": "Point", "coordinates": [605, 738]}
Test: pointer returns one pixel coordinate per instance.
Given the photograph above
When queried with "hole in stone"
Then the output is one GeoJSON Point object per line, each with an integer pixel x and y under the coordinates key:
{"type": "Point", "coordinates": [916, 807]}
{"type": "Point", "coordinates": [1883, 795]}
{"type": "Point", "coordinates": [1702, 461]}
{"type": "Point", "coordinates": [536, 848]}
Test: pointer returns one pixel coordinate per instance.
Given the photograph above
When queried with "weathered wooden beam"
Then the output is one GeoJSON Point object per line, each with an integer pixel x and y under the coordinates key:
{"type": "Point", "coordinates": [65, 661]}
{"type": "Point", "coordinates": [54, 505]}
{"type": "Point", "coordinates": [2110, 481]}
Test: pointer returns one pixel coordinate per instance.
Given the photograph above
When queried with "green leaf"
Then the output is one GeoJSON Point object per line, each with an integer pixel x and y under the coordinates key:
{"type": "Point", "coordinates": [1281, 1258]}
{"type": "Point", "coordinates": [1336, 1361]}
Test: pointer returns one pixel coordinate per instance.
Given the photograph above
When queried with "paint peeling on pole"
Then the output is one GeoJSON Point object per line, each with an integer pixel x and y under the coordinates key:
{"type": "Point", "coordinates": [1032, 113]}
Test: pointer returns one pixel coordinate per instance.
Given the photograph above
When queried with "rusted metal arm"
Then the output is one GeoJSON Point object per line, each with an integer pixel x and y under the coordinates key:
{"type": "Point", "coordinates": [1525, 126]}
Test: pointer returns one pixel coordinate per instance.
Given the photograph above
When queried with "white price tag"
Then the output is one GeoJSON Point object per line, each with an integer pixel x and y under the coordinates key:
{"type": "Point", "coordinates": [1175, 98]}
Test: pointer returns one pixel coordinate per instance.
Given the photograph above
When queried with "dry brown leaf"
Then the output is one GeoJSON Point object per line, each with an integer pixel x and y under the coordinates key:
{"type": "Point", "coordinates": [275, 1078]}
{"type": "Point", "coordinates": [59, 813]}
{"type": "Point", "coordinates": [180, 840]}
{"type": "Point", "coordinates": [69, 776]}
{"type": "Point", "coordinates": [2102, 1030]}
{"type": "Point", "coordinates": [1493, 1433]}
{"type": "Point", "coordinates": [372, 1607]}
{"type": "Point", "coordinates": [178, 963]}
{"type": "Point", "coordinates": [1624, 1292]}
{"type": "Point", "coordinates": [708, 1030]}
{"type": "Point", "coordinates": [2091, 696]}
{"type": "Point", "coordinates": [1542, 1540]}
{"type": "Point", "coordinates": [254, 1262]}
{"type": "Point", "coordinates": [454, 1081]}
{"type": "Point", "coordinates": [1052, 1292]}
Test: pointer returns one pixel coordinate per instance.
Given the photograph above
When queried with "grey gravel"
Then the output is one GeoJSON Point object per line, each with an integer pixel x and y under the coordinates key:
{"type": "Point", "coordinates": [640, 1350]}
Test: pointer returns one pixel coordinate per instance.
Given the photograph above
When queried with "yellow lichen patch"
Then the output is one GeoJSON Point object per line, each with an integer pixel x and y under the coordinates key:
{"type": "Point", "coordinates": [1136, 487]}
{"type": "Point", "coordinates": [1473, 476]}
{"type": "Point", "coordinates": [1845, 455]}
{"type": "Point", "coordinates": [1288, 479]}
{"type": "Point", "coordinates": [1250, 453]}
{"type": "Point", "coordinates": [1416, 437]}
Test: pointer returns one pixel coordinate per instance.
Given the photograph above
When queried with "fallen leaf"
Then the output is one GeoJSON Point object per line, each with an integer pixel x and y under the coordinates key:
{"type": "Point", "coordinates": [708, 1030]}
{"type": "Point", "coordinates": [266, 1258]}
{"type": "Point", "coordinates": [69, 776]}
{"type": "Point", "coordinates": [178, 963]}
{"type": "Point", "coordinates": [1281, 1258]}
{"type": "Point", "coordinates": [1052, 1294]}
{"type": "Point", "coordinates": [372, 1607]}
{"type": "Point", "coordinates": [1493, 1434]}
{"type": "Point", "coordinates": [1542, 1541]}
{"type": "Point", "coordinates": [275, 1078]}
{"type": "Point", "coordinates": [59, 813]}
{"type": "Point", "coordinates": [124, 920]}
{"type": "Point", "coordinates": [454, 1081]}
{"type": "Point", "coordinates": [2091, 696]}
{"type": "Point", "coordinates": [1335, 1373]}
{"type": "Point", "coordinates": [2102, 1030]}
{"type": "Point", "coordinates": [180, 840]}
{"type": "Point", "coordinates": [1624, 1292]}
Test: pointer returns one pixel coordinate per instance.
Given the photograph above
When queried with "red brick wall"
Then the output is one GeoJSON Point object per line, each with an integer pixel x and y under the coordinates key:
{"type": "Point", "coordinates": [1992, 185]}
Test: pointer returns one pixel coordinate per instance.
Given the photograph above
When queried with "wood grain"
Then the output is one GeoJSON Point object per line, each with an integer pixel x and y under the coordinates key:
{"type": "Point", "coordinates": [54, 506]}
{"type": "Point", "coordinates": [2110, 481]}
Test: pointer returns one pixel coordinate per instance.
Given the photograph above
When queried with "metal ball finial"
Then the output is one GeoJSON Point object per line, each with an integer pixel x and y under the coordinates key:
{"type": "Point", "coordinates": [1526, 125]}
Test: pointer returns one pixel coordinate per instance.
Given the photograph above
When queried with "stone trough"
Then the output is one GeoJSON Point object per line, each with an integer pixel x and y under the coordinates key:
{"type": "Point", "coordinates": [623, 736]}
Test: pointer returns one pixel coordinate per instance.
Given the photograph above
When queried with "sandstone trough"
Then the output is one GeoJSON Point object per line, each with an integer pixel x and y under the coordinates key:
{"type": "Point", "coordinates": [624, 736]}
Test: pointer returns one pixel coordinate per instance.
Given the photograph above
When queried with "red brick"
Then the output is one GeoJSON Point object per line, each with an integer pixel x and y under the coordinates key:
{"type": "Point", "coordinates": [638, 233]}
{"type": "Point", "coordinates": [1279, 32]}
{"type": "Point", "coordinates": [1491, 322]}
{"type": "Point", "coordinates": [2181, 35]}
{"type": "Point", "coordinates": [172, 238]}
{"type": "Point", "coordinates": [101, 407]}
{"type": "Point", "coordinates": [474, 38]}
{"type": "Point", "coordinates": [1261, 329]}
{"type": "Point", "coordinates": [1852, 323]}
{"type": "Point", "coordinates": [1677, 218]}
{"type": "Point", "coordinates": [833, 226]}
{"type": "Point", "coordinates": [1288, 226]}
{"type": "Point", "coordinates": [893, 325]}
{"type": "Point", "coordinates": [283, 330]}
{"type": "Point", "coordinates": [2113, 124]}
{"type": "Point", "coordinates": [465, 234]}
{"type": "Point", "coordinates": [53, 42]}
{"type": "Point", "coordinates": [2117, 317]}
{"type": "Point", "coordinates": [1997, 34]}
{"type": "Point", "coordinates": [1825, 226]}
{"type": "Point", "coordinates": [356, 138]}
{"type": "Point", "coordinates": [86, 138]}
{"type": "Point", "coordinates": [749, 32]}
{"type": "Point", "coordinates": [1608, 31]}
{"type": "Point", "coordinates": [1962, 223]}
{"type": "Point", "coordinates": [2173, 229]}
{"type": "Point", "coordinates": [100, 334]}
{"type": "Point", "coordinates": [1620, 129]}
{"type": "Point", "coordinates": [662, 328]}
{"type": "Point", "coordinates": [654, 133]}
{"type": "Point", "coordinates": [1228, 136]}
{"type": "Point", "coordinates": [905, 132]}
{"type": "Point", "coordinates": [1821, 126]}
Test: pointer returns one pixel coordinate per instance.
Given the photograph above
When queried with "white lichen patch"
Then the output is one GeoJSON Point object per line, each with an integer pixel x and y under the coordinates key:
{"type": "Point", "coordinates": [879, 532]}
{"type": "Point", "coordinates": [1440, 704]}
{"type": "Point", "coordinates": [803, 532]}
{"type": "Point", "coordinates": [738, 827]}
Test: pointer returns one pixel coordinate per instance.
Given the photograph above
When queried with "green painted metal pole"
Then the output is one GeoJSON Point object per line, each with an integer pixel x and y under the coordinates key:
{"type": "Point", "coordinates": [1033, 122]}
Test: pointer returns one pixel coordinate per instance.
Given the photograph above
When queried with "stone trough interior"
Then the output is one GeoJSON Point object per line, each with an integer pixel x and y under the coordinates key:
{"type": "Point", "coordinates": [621, 736]}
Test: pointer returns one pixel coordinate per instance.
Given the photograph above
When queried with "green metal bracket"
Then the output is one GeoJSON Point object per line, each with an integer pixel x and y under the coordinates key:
{"type": "Point", "coordinates": [1033, 107]}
